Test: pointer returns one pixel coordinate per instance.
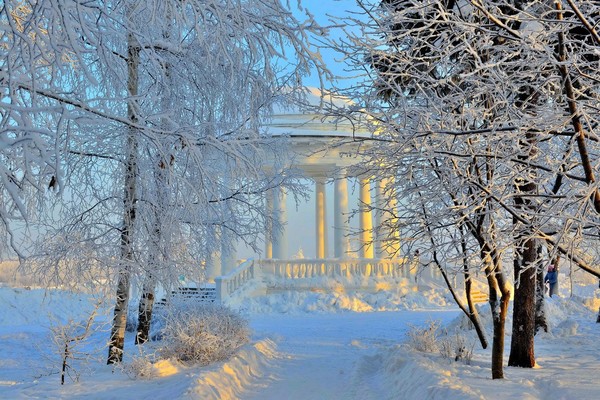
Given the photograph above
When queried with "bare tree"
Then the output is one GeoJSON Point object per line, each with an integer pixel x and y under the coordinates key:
{"type": "Point", "coordinates": [117, 336]}
{"type": "Point", "coordinates": [38, 51]}
{"type": "Point", "coordinates": [483, 92]}
{"type": "Point", "coordinates": [166, 103]}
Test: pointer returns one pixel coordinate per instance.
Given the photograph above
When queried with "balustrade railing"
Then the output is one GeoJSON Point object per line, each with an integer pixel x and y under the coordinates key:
{"type": "Point", "coordinates": [352, 267]}
{"type": "Point", "coordinates": [279, 271]}
{"type": "Point", "coordinates": [226, 285]}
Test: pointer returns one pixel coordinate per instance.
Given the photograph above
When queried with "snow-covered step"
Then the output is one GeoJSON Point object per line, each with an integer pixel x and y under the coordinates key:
{"type": "Point", "coordinates": [207, 294]}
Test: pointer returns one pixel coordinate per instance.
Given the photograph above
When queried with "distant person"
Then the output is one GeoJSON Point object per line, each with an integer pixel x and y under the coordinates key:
{"type": "Point", "coordinates": [551, 280]}
{"type": "Point", "coordinates": [416, 261]}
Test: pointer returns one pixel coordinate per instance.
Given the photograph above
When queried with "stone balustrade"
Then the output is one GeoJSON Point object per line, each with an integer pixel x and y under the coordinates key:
{"type": "Point", "coordinates": [351, 267]}
{"type": "Point", "coordinates": [226, 285]}
{"type": "Point", "coordinates": [306, 273]}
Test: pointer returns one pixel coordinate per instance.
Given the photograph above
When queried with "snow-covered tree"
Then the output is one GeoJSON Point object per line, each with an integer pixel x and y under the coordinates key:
{"type": "Point", "coordinates": [39, 51]}
{"type": "Point", "coordinates": [477, 118]}
{"type": "Point", "coordinates": [161, 106]}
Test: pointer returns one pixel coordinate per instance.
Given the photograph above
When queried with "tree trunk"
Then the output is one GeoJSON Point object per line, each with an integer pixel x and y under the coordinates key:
{"type": "Point", "coordinates": [156, 250]}
{"type": "Point", "coordinates": [473, 315]}
{"type": "Point", "coordinates": [117, 337]}
{"type": "Point", "coordinates": [524, 262]}
{"type": "Point", "coordinates": [499, 307]}
{"type": "Point", "coordinates": [161, 167]}
{"type": "Point", "coordinates": [499, 313]}
{"type": "Point", "coordinates": [540, 311]}
{"type": "Point", "coordinates": [522, 344]}
{"type": "Point", "coordinates": [145, 311]}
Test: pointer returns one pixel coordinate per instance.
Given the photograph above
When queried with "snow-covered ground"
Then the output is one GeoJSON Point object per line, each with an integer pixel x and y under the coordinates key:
{"type": "Point", "coordinates": [306, 345]}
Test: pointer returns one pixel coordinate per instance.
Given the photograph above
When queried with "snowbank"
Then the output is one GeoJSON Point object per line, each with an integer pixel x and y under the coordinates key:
{"type": "Point", "coordinates": [332, 296]}
{"type": "Point", "coordinates": [230, 379]}
{"type": "Point", "coordinates": [308, 343]}
{"type": "Point", "coordinates": [410, 375]}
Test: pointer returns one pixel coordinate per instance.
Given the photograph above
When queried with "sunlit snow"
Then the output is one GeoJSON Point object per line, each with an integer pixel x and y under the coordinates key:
{"type": "Point", "coordinates": [309, 345]}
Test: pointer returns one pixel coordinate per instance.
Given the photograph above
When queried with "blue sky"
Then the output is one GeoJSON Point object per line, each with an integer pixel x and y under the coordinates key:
{"type": "Point", "coordinates": [323, 10]}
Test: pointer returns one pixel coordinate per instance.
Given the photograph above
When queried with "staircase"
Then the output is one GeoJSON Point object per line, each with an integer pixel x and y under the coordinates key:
{"type": "Point", "coordinates": [205, 294]}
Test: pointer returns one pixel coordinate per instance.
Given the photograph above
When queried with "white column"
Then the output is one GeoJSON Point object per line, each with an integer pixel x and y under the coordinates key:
{"type": "Point", "coordinates": [393, 244]}
{"type": "Point", "coordinates": [227, 242]}
{"type": "Point", "coordinates": [388, 239]}
{"type": "Point", "coordinates": [213, 259]}
{"type": "Point", "coordinates": [228, 252]}
{"type": "Point", "coordinates": [213, 266]}
{"type": "Point", "coordinates": [341, 225]}
{"type": "Point", "coordinates": [269, 224]}
{"type": "Point", "coordinates": [320, 218]}
{"type": "Point", "coordinates": [379, 219]}
{"type": "Point", "coordinates": [280, 244]}
{"type": "Point", "coordinates": [365, 220]}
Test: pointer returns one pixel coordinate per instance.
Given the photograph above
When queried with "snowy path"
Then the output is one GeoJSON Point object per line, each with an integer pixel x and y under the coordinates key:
{"type": "Point", "coordinates": [326, 354]}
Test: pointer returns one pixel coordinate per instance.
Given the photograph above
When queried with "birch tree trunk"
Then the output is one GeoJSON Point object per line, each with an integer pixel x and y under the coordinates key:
{"type": "Point", "coordinates": [145, 309]}
{"type": "Point", "coordinates": [117, 336]}
{"type": "Point", "coordinates": [156, 250]}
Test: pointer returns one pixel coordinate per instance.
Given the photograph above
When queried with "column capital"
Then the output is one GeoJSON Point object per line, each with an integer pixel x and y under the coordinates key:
{"type": "Point", "coordinates": [340, 173]}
